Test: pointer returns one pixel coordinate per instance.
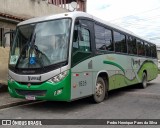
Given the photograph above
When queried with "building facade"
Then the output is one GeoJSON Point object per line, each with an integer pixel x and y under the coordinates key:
{"type": "Point", "coordinates": [81, 4]}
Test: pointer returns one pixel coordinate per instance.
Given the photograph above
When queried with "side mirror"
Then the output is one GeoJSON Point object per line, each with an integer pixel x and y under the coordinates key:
{"type": "Point", "coordinates": [4, 37]}
{"type": "Point", "coordinates": [77, 22]}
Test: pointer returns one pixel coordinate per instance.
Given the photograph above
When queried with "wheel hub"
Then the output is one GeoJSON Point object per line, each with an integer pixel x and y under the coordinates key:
{"type": "Point", "coordinates": [99, 89]}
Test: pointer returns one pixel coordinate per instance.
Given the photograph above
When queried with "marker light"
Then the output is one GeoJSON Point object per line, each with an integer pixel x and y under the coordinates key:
{"type": "Point", "coordinates": [57, 92]}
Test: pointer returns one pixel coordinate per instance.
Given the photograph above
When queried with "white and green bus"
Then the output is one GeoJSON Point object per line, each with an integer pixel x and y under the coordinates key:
{"type": "Point", "coordinates": [74, 55]}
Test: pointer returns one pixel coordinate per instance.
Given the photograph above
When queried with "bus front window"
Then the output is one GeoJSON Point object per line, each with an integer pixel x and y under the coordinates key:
{"type": "Point", "coordinates": [40, 44]}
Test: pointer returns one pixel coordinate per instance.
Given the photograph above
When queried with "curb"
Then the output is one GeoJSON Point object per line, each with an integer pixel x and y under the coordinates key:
{"type": "Point", "coordinates": [15, 104]}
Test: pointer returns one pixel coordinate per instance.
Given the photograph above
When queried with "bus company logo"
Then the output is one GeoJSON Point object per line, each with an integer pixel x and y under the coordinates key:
{"type": "Point", "coordinates": [30, 78]}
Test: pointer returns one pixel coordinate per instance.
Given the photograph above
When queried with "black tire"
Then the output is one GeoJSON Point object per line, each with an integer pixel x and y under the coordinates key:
{"type": "Point", "coordinates": [100, 91]}
{"type": "Point", "coordinates": [144, 80]}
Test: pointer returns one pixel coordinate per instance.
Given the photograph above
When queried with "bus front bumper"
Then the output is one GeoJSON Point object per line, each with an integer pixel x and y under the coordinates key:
{"type": "Point", "coordinates": [46, 91]}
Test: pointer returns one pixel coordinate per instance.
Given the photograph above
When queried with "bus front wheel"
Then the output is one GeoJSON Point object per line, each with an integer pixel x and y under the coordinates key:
{"type": "Point", "coordinates": [100, 90]}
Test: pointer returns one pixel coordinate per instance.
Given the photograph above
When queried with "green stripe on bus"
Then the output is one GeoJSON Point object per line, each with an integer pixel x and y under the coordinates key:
{"type": "Point", "coordinates": [114, 64]}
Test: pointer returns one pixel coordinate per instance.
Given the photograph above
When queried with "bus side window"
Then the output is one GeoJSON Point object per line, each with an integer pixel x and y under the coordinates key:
{"type": "Point", "coordinates": [140, 50]}
{"type": "Point", "coordinates": [120, 42]}
{"type": "Point", "coordinates": [132, 47]}
{"type": "Point", "coordinates": [103, 38]}
{"type": "Point", "coordinates": [84, 40]}
{"type": "Point", "coordinates": [81, 39]}
{"type": "Point", "coordinates": [148, 49]}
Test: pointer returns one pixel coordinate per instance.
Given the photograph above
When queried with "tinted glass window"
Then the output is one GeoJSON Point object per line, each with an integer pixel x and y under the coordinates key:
{"type": "Point", "coordinates": [120, 42]}
{"type": "Point", "coordinates": [148, 49]}
{"type": "Point", "coordinates": [84, 41]}
{"type": "Point", "coordinates": [103, 38]}
{"type": "Point", "coordinates": [132, 48]}
{"type": "Point", "coordinates": [81, 39]}
{"type": "Point", "coordinates": [154, 51]}
{"type": "Point", "coordinates": [141, 50]}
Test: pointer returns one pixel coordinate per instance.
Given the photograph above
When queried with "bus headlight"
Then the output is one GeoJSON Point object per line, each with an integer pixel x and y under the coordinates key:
{"type": "Point", "coordinates": [58, 77]}
{"type": "Point", "coordinates": [10, 79]}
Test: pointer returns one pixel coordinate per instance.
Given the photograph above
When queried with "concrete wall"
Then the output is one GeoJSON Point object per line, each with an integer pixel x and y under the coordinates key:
{"type": "Point", "coordinates": [4, 53]}
{"type": "Point", "coordinates": [28, 8]}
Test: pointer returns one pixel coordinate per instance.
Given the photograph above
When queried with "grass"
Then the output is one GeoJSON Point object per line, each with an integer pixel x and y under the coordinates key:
{"type": "Point", "coordinates": [159, 71]}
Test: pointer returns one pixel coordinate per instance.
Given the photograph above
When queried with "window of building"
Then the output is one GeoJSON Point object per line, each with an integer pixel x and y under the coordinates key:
{"type": "Point", "coordinates": [1, 36]}
{"type": "Point", "coordinates": [120, 42]}
{"type": "Point", "coordinates": [140, 50]}
{"type": "Point", "coordinates": [132, 47]}
{"type": "Point", "coordinates": [103, 38]}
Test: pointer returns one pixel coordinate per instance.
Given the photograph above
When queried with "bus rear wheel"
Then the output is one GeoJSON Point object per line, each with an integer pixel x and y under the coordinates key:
{"type": "Point", "coordinates": [100, 90]}
{"type": "Point", "coordinates": [144, 80]}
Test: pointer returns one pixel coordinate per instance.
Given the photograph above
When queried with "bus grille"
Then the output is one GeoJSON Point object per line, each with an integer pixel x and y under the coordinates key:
{"type": "Point", "coordinates": [26, 83]}
{"type": "Point", "coordinates": [31, 92]}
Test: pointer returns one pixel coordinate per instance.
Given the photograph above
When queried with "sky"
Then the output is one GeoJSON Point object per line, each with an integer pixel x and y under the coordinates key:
{"type": "Point", "coordinates": [142, 17]}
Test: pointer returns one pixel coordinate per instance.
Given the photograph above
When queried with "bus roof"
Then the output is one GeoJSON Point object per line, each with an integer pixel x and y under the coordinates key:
{"type": "Point", "coordinates": [57, 16]}
{"type": "Point", "coordinates": [79, 14]}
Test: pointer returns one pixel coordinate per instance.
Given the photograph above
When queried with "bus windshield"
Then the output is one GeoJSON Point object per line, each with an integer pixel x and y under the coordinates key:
{"type": "Point", "coordinates": [41, 44]}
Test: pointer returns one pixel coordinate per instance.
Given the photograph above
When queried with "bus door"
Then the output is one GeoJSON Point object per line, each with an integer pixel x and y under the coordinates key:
{"type": "Point", "coordinates": [135, 64]}
{"type": "Point", "coordinates": [136, 61]}
{"type": "Point", "coordinates": [133, 59]}
{"type": "Point", "coordinates": [81, 77]}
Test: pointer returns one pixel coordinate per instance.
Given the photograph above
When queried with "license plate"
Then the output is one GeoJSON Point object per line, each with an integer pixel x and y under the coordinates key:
{"type": "Point", "coordinates": [30, 97]}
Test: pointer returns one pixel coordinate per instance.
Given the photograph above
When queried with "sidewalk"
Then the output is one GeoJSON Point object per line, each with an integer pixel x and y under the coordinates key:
{"type": "Point", "coordinates": [7, 101]}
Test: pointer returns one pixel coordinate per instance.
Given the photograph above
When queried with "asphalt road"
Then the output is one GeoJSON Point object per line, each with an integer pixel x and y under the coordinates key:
{"type": "Point", "coordinates": [126, 103]}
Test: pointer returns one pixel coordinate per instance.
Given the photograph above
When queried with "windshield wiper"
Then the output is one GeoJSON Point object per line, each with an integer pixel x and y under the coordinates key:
{"type": "Point", "coordinates": [30, 46]}
{"type": "Point", "coordinates": [34, 47]}
{"type": "Point", "coordinates": [27, 45]}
